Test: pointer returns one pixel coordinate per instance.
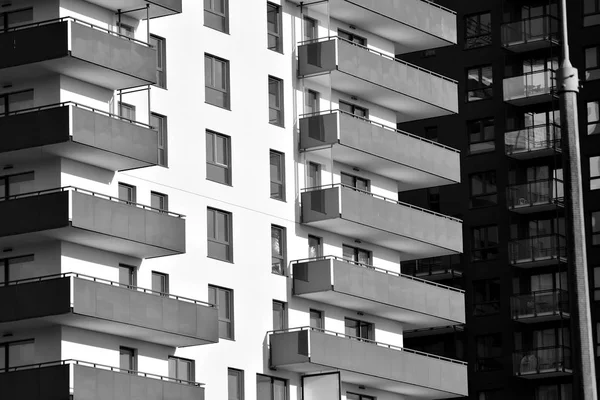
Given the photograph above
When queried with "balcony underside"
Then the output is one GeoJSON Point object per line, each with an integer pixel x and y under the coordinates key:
{"type": "Point", "coordinates": [137, 8]}
{"type": "Point", "coordinates": [542, 317]}
{"type": "Point", "coordinates": [538, 262]}
{"type": "Point", "coordinates": [535, 208]}
{"type": "Point", "coordinates": [530, 45]}
{"type": "Point", "coordinates": [531, 99]}
{"type": "Point", "coordinates": [531, 154]}
{"type": "Point", "coordinates": [547, 373]}
{"type": "Point", "coordinates": [430, 332]}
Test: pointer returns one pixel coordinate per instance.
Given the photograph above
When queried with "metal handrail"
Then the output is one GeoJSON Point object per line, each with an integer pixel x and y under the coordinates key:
{"type": "Point", "coordinates": [533, 127]}
{"type": "Point", "coordinates": [545, 71]}
{"type": "Point", "coordinates": [558, 235]}
{"type": "Point", "coordinates": [377, 269]}
{"type": "Point", "coordinates": [105, 282]}
{"type": "Point", "coordinates": [432, 4]}
{"type": "Point", "coordinates": [548, 180]}
{"type": "Point", "coordinates": [389, 346]}
{"type": "Point", "coordinates": [401, 132]}
{"type": "Point", "coordinates": [325, 38]}
{"type": "Point", "coordinates": [99, 366]}
{"type": "Point", "coordinates": [545, 291]}
{"type": "Point", "coordinates": [78, 21]}
{"type": "Point", "coordinates": [89, 192]}
{"type": "Point", "coordinates": [334, 185]}
{"type": "Point", "coordinates": [530, 19]}
{"type": "Point", "coordinates": [78, 105]}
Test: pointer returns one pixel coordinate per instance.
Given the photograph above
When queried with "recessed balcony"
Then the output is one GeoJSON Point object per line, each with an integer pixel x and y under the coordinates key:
{"type": "Point", "coordinates": [530, 88]}
{"type": "Point", "coordinates": [77, 49]}
{"type": "Point", "coordinates": [91, 219]}
{"type": "Point", "coordinates": [434, 269]}
{"type": "Point", "coordinates": [544, 362]}
{"type": "Point", "coordinates": [414, 231]}
{"type": "Point", "coordinates": [78, 380]}
{"type": "Point", "coordinates": [533, 142]}
{"type": "Point", "coordinates": [531, 34]}
{"type": "Point", "coordinates": [412, 92]}
{"type": "Point", "coordinates": [365, 362]}
{"type": "Point", "coordinates": [136, 9]}
{"type": "Point", "coordinates": [414, 162]}
{"type": "Point", "coordinates": [414, 302]}
{"type": "Point", "coordinates": [537, 196]}
{"type": "Point", "coordinates": [538, 251]}
{"type": "Point", "coordinates": [77, 132]}
{"type": "Point", "coordinates": [99, 305]}
{"type": "Point", "coordinates": [540, 306]}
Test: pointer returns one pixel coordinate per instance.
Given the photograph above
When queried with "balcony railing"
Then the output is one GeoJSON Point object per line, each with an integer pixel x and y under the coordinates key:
{"type": "Point", "coordinates": [537, 248]}
{"type": "Point", "coordinates": [543, 360]}
{"type": "Point", "coordinates": [530, 31]}
{"type": "Point", "coordinates": [543, 303]}
{"type": "Point", "coordinates": [525, 89]}
{"type": "Point", "coordinates": [537, 193]}
{"type": "Point", "coordinates": [532, 139]}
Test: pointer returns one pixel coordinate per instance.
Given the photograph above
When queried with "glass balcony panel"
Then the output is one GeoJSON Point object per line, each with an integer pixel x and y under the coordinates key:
{"type": "Point", "coordinates": [530, 33]}
{"type": "Point", "coordinates": [530, 88]}
{"type": "Point", "coordinates": [543, 362]}
{"type": "Point", "coordinates": [536, 138]}
{"type": "Point", "coordinates": [537, 249]}
{"type": "Point", "coordinates": [541, 304]}
{"type": "Point", "coordinates": [538, 193]}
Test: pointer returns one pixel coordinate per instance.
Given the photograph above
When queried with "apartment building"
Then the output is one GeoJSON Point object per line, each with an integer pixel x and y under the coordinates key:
{"type": "Point", "coordinates": [141, 202]}
{"type": "Point", "coordinates": [520, 336]}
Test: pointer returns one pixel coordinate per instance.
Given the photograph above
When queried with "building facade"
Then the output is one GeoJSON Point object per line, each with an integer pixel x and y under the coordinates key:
{"type": "Point", "coordinates": [142, 202]}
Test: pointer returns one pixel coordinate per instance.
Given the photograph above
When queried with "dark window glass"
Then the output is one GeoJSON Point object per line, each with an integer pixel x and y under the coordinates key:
{"type": "Point", "coordinates": [315, 246]}
{"type": "Point", "coordinates": [216, 81]}
{"type": "Point", "coordinates": [591, 9]}
{"type": "Point", "coordinates": [127, 111]}
{"type": "Point", "coordinates": [357, 255]}
{"type": "Point", "coordinates": [481, 135]}
{"type": "Point", "coordinates": [159, 201]}
{"type": "Point", "coordinates": [310, 28]}
{"type": "Point", "coordinates": [595, 173]}
{"type": "Point", "coordinates": [15, 268]}
{"type": "Point", "coordinates": [484, 244]}
{"type": "Point", "coordinates": [484, 191]}
{"type": "Point", "coordinates": [216, 14]}
{"type": "Point", "coordinates": [314, 175]}
{"type": "Point", "coordinates": [278, 250]}
{"type": "Point", "coordinates": [127, 359]}
{"type": "Point", "coordinates": [275, 101]}
{"type": "Point", "coordinates": [479, 83]}
{"type": "Point", "coordinates": [180, 368]}
{"type": "Point", "coordinates": [359, 329]}
{"type": "Point", "coordinates": [593, 117]}
{"type": "Point", "coordinates": [11, 185]}
{"type": "Point", "coordinates": [277, 168]}
{"type": "Point", "coordinates": [433, 199]}
{"type": "Point", "coordinates": [486, 297]}
{"type": "Point", "coordinates": [351, 37]}
{"type": "Point", "coordinates": [270, 388]}
{"type": "Point", "coordinates": [279, 315]}
{"type": "Point", "coordinates": [161, 60]}
{"type": "Point", "coordinates": [311, 102]}
{"type": "Point", "coordinates": [218, 158]}
{"type": "Point", "coordinates": [274, 34]}
{"type": "Point", "coordinates": [595, 220]}
{"type": "Point", "coordinates": [127, 192]}
{"type": "Point", "coordinates": [488, 352]}
{"type": "Point", "coordinates": [592, 63]}
{"type": "Point", "coordinates": [235, 384]}
{"type": "Point", "coordinates": [316, 319]}
{"type": "Point", "coordinates": [354, 109]}
{"type": "Point", "coordinates": [223, 299]}
{"type": "Point", "coordinates": [478, 30]}
{"type": "Point", "coordinates": [127, 275]}
{"type": "Point", "coordinates": [160, 123]}
{"type": "Point", "coordinates": [219, 233]}
{"type": "Point", "coordinates": [355, 182]}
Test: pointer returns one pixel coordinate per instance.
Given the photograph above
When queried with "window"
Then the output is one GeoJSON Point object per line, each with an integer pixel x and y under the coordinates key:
{"type": "Point", "coordinates": [311, 102]}
{"type": "Point", "coordinates": [479, 83]}
{"type": "Point", "coordinates": [489, 352]}
{"type": "Point", "coordinates": [16, 354]}
{"type": "Point", "coordinates": [218, 158]}
{"type": "Point", "coordinates": [277, 162]}
{"type": "Point", "coordinates": [235, 384]}
{"type": "Point", "coordinates": [160, 282]}
{"type": "Point", "coordinates": [591, 11]}
{"type": "Point", "coordinates": [216, 81]}
{"type": "Point", "coordinates": [278, 250]}
{"type": "Point", "coordinates": [593, 117]}
{"type": "Point", "coordinates": [356, 255]}
{"type": "Point", "coordinates": [562, 391]}
{"type": "Point", "coordinates": [181, 368]}
{"type": "Point", "coordinates": [597, 339]}
{"type": "Point", "coordinates": [223, 299]}
{"type": "Point", "coordinates": [127, 111]}
{"type": "Point", "coordinates": [592, 63]}
{"type": "Point", "coordinates": [275, 101]}
{"type": "Point", "coordinates": [270, 388]}
{"type": "Point", "coordinates": [160, 123]}
{"type": "Point", "coordinates": [314, 175]}
{"type": "Point", "coordinates": [127, 359]}
{"type": "Point", "coordinates": [595, 173]}
{"type": "Point", "coordinates": [127, 275]}
{"type": "Point", "coordinates": [486, 297]}
{"type": "Point", "coordinates": [351, 37]}
{"type": "Point", "coordinates": [433, 199]}
{"type": "Point", "coordinates": [354, 109]}
{"type": "Point", "coordinates": [484, 243]}
{"type": "Point", "coordinates": [355, 182]}
{"type": "Point", "coordinates": [17, 101]}
{"type": "Point", "coordinates": [216, 15]}
{"type": "Point", "coordinates": [356, 396]}
{"type": "Point", "coordinates": [316, 319]}
{"type": "Point", "coordinates": [126, 30]}
{"type": "Point", "coordinates": [315, 246]}
{"type": "Point", "coordinates": [311, 27]}
{"type": "Point", "coordinates": [127, 193]}
{"type": "Point", "coordinates": [359, 329]}
{"type": "Point", "coordinates": [478, 30]}
{"type": "Point", "coordinates": [219, 235]}
{"type": "Point", "coordinates": [481, 135]}
{"type": "Point", "coordinates": [159, 44]}
{"type": "Point", "coordinates": [11, 185]}
{"type": "Point", "coordinates": [159, 201]}
{"type": "Point", "coordinates": [15, 268]}
{"type": "Point", "coordinates": [279, 315]}
{"type": "Point", "coordinates": [274, 34]}
{"type": "Point", "coordinates": [484, 192]}
{"type": "Point", "coordinates": [16, 18]}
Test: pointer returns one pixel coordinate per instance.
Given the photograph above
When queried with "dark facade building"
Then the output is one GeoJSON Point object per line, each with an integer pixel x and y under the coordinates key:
{"type": "Point", "coordinates": [520, 340]}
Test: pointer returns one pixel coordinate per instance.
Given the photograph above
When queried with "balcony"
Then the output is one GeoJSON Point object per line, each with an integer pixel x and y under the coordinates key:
{"type": "Point", "coordinates": [531, 34]}
{"type": "Point", "coordinates": [71, 130]}
{"type": "Point", "coordinates": [544, 362]}
{"type": "Point", "coordinates": [414, 231]}
{"type": "Point", "coordinates": [538, 251]}
{"type": "Point", "coordinates": [412, 92]}
{"type": "Point", "coordinates": [79, 380]}
{"type": "Point", "coordinates": [91, 219]}
{"type": "Point", "coordinates": [435, 269]}
{"type": "Point", "coordinates": [534, 141]}
{"type": "Point", "coordinates": [538, 196]}
{"type": "Point", "coordinates": [540, 306]}
{"type": "Point", "coordinates": [413, 25]}
{"type": "Point", "coordinates": [531, 88]}
{"type": "Point", "coordinates": [96, 304]}
{"type": "Point", "coordinates": [409, 159]}
{"type": "Point", "coordinates": [368, 363]}
{"type": "Point", "coordinates": [136, 9]}
{"type": "Point", "coordinates": [414, 302]}
{"type": "Point", "coordinates": [77, 49]}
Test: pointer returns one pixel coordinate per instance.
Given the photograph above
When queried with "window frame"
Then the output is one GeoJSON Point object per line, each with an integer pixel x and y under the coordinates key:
{"type": "Point", "coordinates": [272, 7]}
{"type": "Point", "coordinates": [192, 368]}
{"type": "Point", "coordinates": [595, 69]}
{"type": "Point", "coordinates": [353, 108]}
{"type": "Point", "coordinates": [133, 354]}
{"type": "Point", "coordinates": [321, 318]}
{"type": "Point", "coordinates": [229, 227]}
{"type": "Point", "coordinates": [481, 124]}
{"type": "Point", "coordinates": [319, 246]}
{"type": "Point", "coordinates": [272, 386]}
{"type": "Point", "coordinates": [231, 320]}
{"type": "Point", "coordinates": [355, 180]}
{"type": "Point", "coordinates": [164, 199]}
{"type": "Point", "coordinates": [163, 138]}
{"type": "Point", "coordinates": [211, 158]}
{"type": "Point", "coordinates": [594, 124]}
{"type": "Point", "coordinates": [594, 14]}
{"type": "Point", "coordinates": [487, 91]}
{"type": "Point", "coordinates": [133, 192]}
{"type": "Point", "coordinates": [280, 108]}
{"type": "Point", "coordinates": [211, 85]}
{"type": "Point", "coordinates": [594, 179]}
{"type": "Point", "coordinates": [279, 180]}
{"type": "Point", "coordinates": [360, 396]}
{"type": "Point", "coordinates": [5, 180]}
{"type": "Point", "coordinates": [489, 189]}
{"type": "Point", "coordinates": [224, 15]}
{"type": "Point", "coordinates": [487, 248]}
{"type": "Point", "coordinates": [6, 96]}
{"type": "Point", "coordinates": [356, 253]}
{"type": "Point", "coordinates": [480, 35]}
{"type": "Point", "coordinates": [160, 44]}
{"type": "Point", "coordinates": [165, 279]}
{"type": "Point", "coordinates": [497, 358]}
{"type": "Point", "coordinates": [281, 258]}
{"type": "Point", "coordinates": [284, 315]}
{"type": "Point", "coordinates": [239, 373]}
{"type": "Point", "coordinates": [6, 346]}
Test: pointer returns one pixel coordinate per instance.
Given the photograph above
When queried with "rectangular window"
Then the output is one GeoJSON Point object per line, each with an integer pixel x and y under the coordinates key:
{"type": "Point", "coordinates": [275, 101]}
{"type": "Point", "coordinates": [354, 109]}
{"type": "Point", "coordinates": [595, 228]}
{"type": "Point", "coordinates": [431, 133]}
{"type": "Point", "coordinates": [219, 231]}
{"type": "Point", "coordinates": [591, 11]}
{"type": "Point", "coordinates": [562, 391]}
{"type": "Point", "coordinates": [223, 299]}
{"type": "Point", "coordinates": [160, 123]}
{"type": "Point", "coordinates": [355, 182]}
{"type": "Point", "coordinates": [128, 359]}
{"type": "Point", "coordinates": [479, 83]}
{"type": "Point", "coordinates": [159, 201]}
{"type": "Point", "coordinates": [235, 384]}
{"type": "Point", "coordinates": [315, 246]}
{"type": "Point", "coordinates": [485, 243]}
{"type": "Point", "coordinates": [279, 315]}
{"type": "Point", "coordinates": [488, 352]}
{"type": "Point", "coordinates": [597, 285]}
{"type": "Point", "coordinates": [486, 297]}
{"type": "Point", "coordinates": [314, 175]}
{"type": "Point", "coordinates": [316, 319]}
{"type": "Point", "coordinates": [15, 18]}
{"type": "Point", "coordinates": [311, 102]}
{"type": "Point", "coordinates": [17, 101]}
{"type": "Point", "coordinates": [484, 191]}
{"type": "Point", "coordinates": [11, 185]}
{"type": "Point", "coordinates": [310, 28]}
{"type": "Point", "coordinates": [181, 369]}
{"type": "Point", "coordinates": [270, 388]}
{"type": "Point", "coordinates": [127, 193]}
{"type": "Point", "coordinates": [478, 30]}
{"type": "Point", "coordinates": [15, 268]}
{"type": "Point", "coordinates": [359, 329]}
{"type": "Point", "coordinates": [160, 282]}
{"type": "Point", "coordinates": [351, 37]}
{"type": "Point", "coordinates": [216, 15]}
{"type": "Point", "coordinates": [433, 199]}
{"type": "Point", "coordinates": [274, 34]}
{"type": "Point", "coordinates": [160, 44]}
{"type": "Point", "coordinates": [216, 81]}
{"type": "Point", "coordinates": [595, 173]}
{"type": "Point", "coordinates": [357, 255]}
{"type": "Point", "coordinates": [593, 117]}
{"type": "Point", "coordinates": [277, 163]}
{"type": "Point", "coordinates": [218, 158]}
{"type": "Point", "coordinates": [592, 63]}
{"type": "Point", "coordinates": [481, 135]}
{"type": "Point", "coordinates": [127, 111]}
{"type": "Point", "coordinates": [278, 250]}
{"type": "Point", "coordinates": [16, 354]}
{"type": "Point", "coordinates": [127, 275]}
